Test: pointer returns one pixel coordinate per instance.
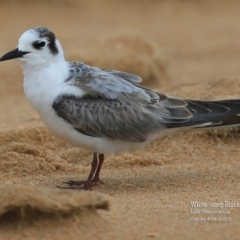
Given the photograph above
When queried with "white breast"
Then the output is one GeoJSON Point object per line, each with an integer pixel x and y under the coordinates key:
{"type": "Point", "coordinates": [43, 87]}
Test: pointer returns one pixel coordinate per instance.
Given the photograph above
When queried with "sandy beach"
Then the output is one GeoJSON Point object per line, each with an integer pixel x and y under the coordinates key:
{"type": "Point", "coordinates": [185, 186]}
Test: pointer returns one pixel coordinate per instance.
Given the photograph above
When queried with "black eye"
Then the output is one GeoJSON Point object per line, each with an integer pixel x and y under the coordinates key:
{"type": "Point", "coordinates": [38, 45]}
{"type": "Point", "coordinates": [41, 44]}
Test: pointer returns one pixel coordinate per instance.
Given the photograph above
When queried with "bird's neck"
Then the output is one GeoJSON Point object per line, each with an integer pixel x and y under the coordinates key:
{"type": "Point", "coordinates": [42, 84]}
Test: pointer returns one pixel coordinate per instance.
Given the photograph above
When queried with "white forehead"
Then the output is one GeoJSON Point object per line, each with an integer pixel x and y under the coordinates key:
{"type": "Point", "coordinates": [27, 38]}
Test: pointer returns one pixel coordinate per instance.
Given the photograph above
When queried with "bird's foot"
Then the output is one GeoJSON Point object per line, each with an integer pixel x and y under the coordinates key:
{"type": "Point", "coordinates": [93, 177]}
{"type": "Point", "coordinates": [83, 185]}
{"type": "Point", "coordinates": [97, 180]}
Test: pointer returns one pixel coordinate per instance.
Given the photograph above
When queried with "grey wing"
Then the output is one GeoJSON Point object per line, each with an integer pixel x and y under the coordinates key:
{"type": "Point", "coordinates": [109, 84]}
{"type": "Point", "coordinates": [126, 121]}
{"type": "Point", "coordinates": [122, 86]}
{"type": "Point", "coordinates": [116, 106]}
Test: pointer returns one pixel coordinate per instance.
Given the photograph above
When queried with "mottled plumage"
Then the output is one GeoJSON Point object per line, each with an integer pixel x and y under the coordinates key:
{"type": "Point", "coordinates": [117, 107]}
{"type": "Point", "coordinates": [105, 111]}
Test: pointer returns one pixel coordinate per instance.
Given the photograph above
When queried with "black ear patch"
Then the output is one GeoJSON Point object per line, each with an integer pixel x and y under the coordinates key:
{"type": "Point", "coordinates": [50, 36]}
{"type": "Point", "coordinates": [52, 43]}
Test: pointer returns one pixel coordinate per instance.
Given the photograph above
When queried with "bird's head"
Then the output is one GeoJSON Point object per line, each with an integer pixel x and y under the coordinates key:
{"type": "Point", "coordinates": [36, 46]}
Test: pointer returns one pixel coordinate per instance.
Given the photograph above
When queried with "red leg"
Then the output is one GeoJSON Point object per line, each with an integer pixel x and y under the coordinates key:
{"type": "Point", "coordinates": [88, 184]}
{"type": "Point", "coordinates": [96, 178]}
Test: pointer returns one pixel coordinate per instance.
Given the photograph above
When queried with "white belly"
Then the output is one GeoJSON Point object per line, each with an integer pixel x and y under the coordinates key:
{"type": "Point", "coordinates": [66, 132]}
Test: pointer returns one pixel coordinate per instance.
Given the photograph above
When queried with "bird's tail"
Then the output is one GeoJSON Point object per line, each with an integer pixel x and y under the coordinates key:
{"type": "Point", "coordinates": [211, 114]}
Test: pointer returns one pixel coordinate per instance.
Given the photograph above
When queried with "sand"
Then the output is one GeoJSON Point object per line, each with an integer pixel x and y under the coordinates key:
{"type": "Point", "coordinates": [184, 48]}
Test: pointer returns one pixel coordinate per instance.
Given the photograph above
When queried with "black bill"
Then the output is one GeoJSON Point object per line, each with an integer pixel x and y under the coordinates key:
{"type": "Point", "coordinates": [12, 54]}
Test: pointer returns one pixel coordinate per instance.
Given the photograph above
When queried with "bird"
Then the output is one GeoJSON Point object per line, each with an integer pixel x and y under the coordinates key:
{"type": "Point", "coordinates": [105, 111]}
